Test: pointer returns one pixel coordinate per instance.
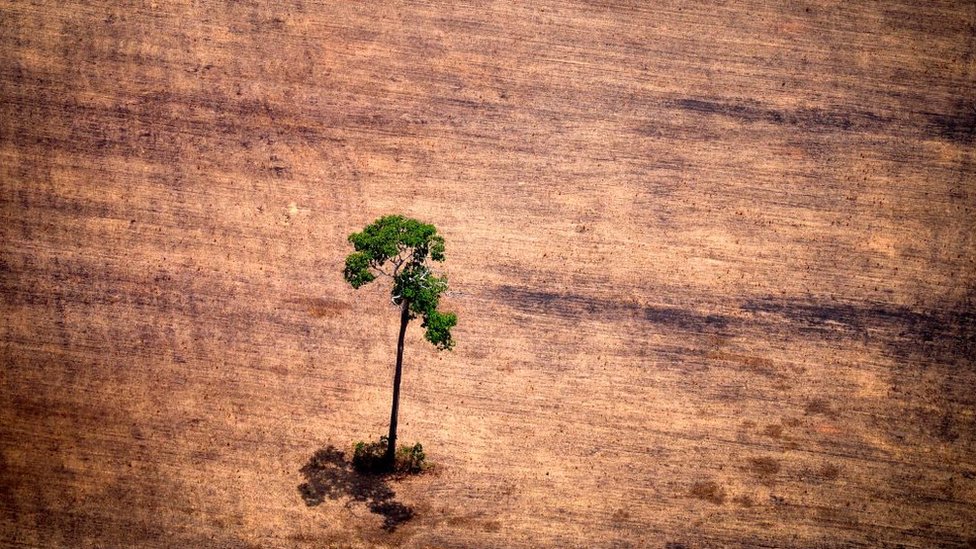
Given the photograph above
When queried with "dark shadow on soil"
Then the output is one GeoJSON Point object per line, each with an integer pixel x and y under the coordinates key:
{"type": "Point", "coordinates": [574, 306]}
{"type": "Point", "coordinates": [944, 335]}
{"type": "Point", "coordinates": [329, 475]}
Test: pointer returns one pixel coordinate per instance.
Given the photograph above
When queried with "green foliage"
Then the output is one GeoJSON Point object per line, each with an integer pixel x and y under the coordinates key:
{"type": "Point", "coordinates": [357, 270]}
{"type": "Point", "coordinates": [410, 459]}
{"type": "Point", "coordinates": [400, 248]}
{"type": "Point", "coordinates": [390, 236]}
{"type": "Point", "coordinates": [438, 327]}
{"type": "Point", "coordinates": [369, 458]}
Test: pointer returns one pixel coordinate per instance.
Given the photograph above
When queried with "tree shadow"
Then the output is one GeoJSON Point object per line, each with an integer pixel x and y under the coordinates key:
{"type": "Point", "coordinates": [329, 475]}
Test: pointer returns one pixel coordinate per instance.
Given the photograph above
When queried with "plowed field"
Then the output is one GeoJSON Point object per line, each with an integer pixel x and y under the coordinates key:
{"type": "Point", "coordinates": [714, 265]}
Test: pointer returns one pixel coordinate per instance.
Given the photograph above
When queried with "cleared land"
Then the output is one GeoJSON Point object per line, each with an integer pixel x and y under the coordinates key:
{"type": "Point", "coordinates": [715, 265]}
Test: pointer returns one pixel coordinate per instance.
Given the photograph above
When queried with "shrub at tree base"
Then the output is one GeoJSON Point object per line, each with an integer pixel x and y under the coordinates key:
{"type": "Point", "coordinates": [369, 458]}
{"type": "Point", "coordinates": [410, 459]}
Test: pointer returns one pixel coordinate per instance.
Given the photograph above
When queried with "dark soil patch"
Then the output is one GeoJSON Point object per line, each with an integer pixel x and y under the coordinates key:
{"type": "Point", "coordinates": [764, 467]}
{"type": "Point", "coordinates": [820, 406]}
{"type": "Point", "coordinates": [773, 430]}
{"type": "Point", "coordinates": [709, 491]}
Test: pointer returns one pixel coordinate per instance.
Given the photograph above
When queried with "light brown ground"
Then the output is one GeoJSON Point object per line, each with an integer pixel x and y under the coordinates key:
{"type": "Point", "coordinates": [713, 263]}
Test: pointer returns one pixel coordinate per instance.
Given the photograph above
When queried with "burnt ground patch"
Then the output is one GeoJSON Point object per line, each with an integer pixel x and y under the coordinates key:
{"type": "Point", "coordinates": [329, 475]}
{"type": "Point", "coordinates": [945, 335]}
{"type": "Point", "coordinates": [957, 127]}
{"type": "Point", "coordinates": [575, 306]}
{"type": "Point", "coordinates": [810, 119]}
{"type": "Point", "coordinates": [933, 354]}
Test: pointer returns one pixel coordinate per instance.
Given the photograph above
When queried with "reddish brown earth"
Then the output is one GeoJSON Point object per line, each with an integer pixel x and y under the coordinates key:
{"type": "Point", "coordinates": [714, 263]}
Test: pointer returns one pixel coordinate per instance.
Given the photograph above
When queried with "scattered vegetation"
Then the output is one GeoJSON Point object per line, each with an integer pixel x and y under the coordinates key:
{"type": "Point", "coordinates": [370, 458]}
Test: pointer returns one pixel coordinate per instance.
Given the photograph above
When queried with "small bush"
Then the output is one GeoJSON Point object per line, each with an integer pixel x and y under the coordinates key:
{"type": "Point", "coordinates": [410, 459]}
{"type": "Point", "coordinates": [369, 458]}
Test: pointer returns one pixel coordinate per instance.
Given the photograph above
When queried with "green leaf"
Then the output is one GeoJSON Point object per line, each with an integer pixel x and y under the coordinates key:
{"type": "Point", "coordinates": [437, 248]}
{"type": "Point", "coordinates": [357, 271]}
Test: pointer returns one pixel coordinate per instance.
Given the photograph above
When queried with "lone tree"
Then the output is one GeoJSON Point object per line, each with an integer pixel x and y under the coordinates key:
{"type": "Point", "coordinates": [399, 248]}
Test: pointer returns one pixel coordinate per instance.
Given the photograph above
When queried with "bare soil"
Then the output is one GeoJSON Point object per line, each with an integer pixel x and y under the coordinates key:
{"type": "Point", "coordinates": [714, 264]}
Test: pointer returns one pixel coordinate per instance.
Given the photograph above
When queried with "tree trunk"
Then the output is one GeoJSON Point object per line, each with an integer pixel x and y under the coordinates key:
{"type": "Point", "coordinates": [391, 443]}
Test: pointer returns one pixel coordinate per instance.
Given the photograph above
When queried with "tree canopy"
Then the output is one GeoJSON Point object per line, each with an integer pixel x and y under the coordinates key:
{"type": "Point", "coordinates": [399, 248]}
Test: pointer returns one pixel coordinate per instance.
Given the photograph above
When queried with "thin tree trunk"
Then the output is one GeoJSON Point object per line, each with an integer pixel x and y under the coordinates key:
{"type": "Point", "coordinates": [391, 444]}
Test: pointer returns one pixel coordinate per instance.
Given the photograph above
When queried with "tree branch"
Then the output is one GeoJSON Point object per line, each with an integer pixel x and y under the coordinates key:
{"type": "Point", "coordinates": [398, 263]}
{"type": "Point", "coordinates": [375, 265]}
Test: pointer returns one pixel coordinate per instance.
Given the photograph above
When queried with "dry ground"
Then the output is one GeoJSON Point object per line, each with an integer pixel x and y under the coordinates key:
{"type": "Point", "coordinates": [715, 265]}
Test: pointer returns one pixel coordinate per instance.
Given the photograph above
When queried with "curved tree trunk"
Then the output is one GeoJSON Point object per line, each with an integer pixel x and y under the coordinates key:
{"type": "Point", "coordinates": [391, 444]}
